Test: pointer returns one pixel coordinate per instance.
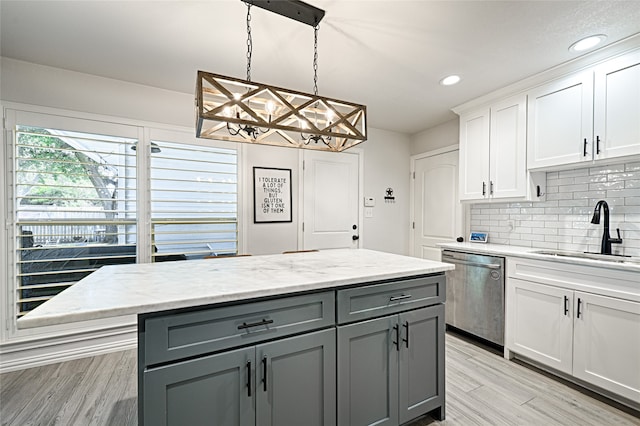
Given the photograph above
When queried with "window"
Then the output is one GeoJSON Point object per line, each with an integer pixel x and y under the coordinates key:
{"type": "Point", "coordinates": [194, 207]}
{"type": "Point", "coordinates": [78, 188]}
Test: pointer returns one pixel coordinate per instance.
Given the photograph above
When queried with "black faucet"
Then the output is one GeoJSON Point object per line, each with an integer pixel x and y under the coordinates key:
{"type": "Point", "coordinates": [605, 248]}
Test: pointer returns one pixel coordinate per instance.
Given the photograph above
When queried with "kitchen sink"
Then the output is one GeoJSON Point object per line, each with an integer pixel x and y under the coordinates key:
{"type": "Point", "coordinates": [589, 255]}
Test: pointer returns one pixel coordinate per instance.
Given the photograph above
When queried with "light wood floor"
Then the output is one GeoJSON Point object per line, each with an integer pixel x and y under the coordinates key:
{"type": "Point", "coordinates": [482, 389]}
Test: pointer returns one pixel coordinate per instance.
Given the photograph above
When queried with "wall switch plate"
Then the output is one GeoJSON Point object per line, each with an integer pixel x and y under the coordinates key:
{"type": "Point", "coordinates": [368, 212]}
{"type": "Point", "coordinates": [369, 201]}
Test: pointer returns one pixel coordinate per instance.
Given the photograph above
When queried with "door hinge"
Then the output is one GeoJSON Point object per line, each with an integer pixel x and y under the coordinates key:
{"type": "Point", "coordinates": [414, 175]}
{"type": "Point", "coordinates": [413, 225]}
{"type": "Point", "coordinates": [303, 165]}
{"type": "Point", "coordinates": [302, 226]}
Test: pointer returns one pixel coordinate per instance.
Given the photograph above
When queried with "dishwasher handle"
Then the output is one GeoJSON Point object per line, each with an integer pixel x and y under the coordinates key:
{"type": "Point", "coordinates": [467, 262]}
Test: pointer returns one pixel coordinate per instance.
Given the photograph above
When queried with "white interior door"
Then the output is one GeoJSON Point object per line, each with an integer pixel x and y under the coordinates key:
{"type": "Point", "coordinates": [330, 200]}
{"type": "Point", "coordinates": [437, 213]}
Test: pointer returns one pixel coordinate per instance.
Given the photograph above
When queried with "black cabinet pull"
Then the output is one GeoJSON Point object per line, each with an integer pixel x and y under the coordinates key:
{"type": "Point", "coordinates": [490, 187]}
{"type": "Point", "coordinates": [406, 330]}
{"type": "Point", "coordinates": [249, 379]}
{"type": "Point", "coordinates": [584, 152]}
{"type": "Point", "coordinates": [401, 297]}
{"type": "Point", "coordinates": [597, 144]}
{"type": "Point", "coordinates": [484, 188]}
{"type": "Point", "coordinates": [396, 328]}
{"type": "Point", "coordinates": [254, 324]}
{"type": "Point", "coordinates": [566, 305]}
{"type": "Point", "coordinates": [579, 303]}
{"type": "Point", "coordinates": [264, 373]}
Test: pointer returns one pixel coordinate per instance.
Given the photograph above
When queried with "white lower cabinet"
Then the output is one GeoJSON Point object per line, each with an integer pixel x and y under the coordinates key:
{"type": "Point", "coordinates": [592, 337]}
{"type": "Point", "coordinates": [540, 328]}
{"type": "Point", "coordinates": [606, 343]}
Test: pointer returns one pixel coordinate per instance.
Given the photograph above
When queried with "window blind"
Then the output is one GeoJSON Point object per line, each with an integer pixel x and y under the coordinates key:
{"type": "Point", "coordinates": [74, 196]}
{"type": "Point", "coordinates": [194, 201]}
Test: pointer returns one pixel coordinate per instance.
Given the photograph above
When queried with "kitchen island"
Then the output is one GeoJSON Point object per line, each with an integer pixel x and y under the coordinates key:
{"type": "Point", "coordinates": [331, 337]}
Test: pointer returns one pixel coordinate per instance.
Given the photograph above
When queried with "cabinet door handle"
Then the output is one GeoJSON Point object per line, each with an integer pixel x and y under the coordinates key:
{"type": "Point", "coordinates": [484, 188]}
{"type": "Point", "coordinates": [254, 324]}
{"type": "Point", "coordinates": [490, 187]}
{"type": "Point", "coordinates": [566, 305]}
{"type": "Point", "coordinates": [264, 373]}
{"type": "Point", "coordinates": [597, 144]}
{"type": "Point", "coordinates": [249, 379]}
{"type": "Point", "coordinates": [584, 151]}
{"type": "Point", "coordinates": [579, 304]}
{"type": "Point", "coordinates": [401, 297]}
{"type": "Point", "coordinates": [396, 329]}
{"type": "Point", "coordinates": [406, 330]}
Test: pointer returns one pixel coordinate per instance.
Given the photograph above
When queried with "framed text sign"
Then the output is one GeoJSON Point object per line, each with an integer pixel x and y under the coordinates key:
{"type": "Point", "coordinates": [271, 195]}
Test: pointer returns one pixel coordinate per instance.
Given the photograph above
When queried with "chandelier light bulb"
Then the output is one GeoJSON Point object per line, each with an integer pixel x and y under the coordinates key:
{"type": "Point", "coordinates": [270, 107]}
{"type": "Point", "coordinates": [330, 115]}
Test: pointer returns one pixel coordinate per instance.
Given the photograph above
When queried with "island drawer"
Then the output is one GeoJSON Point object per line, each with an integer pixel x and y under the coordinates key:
{"type": "Point", "coordinates": [360, 303]}
{"type": "Point", "coordinates": [182, 335]}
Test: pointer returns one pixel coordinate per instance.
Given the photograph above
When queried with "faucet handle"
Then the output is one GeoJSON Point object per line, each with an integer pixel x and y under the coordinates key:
{"type": "Point", "coordinates": [616, 240]}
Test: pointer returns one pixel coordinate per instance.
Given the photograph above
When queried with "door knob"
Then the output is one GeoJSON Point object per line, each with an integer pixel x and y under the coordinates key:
{"type": "Point", "coordinates": [355, 237]}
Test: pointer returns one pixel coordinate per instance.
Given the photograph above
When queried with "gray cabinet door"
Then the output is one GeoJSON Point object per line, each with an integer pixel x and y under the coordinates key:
{"type": "Point", "coordinates": [212, 390]}
{"type": "Point", "coordinates": [300, 374]}
{"type": "Point", "coordinates": [368, 373]}
{"type": "Point", "coordinates": [421, 362]}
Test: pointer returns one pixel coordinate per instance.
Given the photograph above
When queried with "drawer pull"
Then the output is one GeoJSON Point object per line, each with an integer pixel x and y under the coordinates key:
{"type": "Point", "coordinates": [255, 324]}
{"type": "Point", "coordinates": [402, 297]}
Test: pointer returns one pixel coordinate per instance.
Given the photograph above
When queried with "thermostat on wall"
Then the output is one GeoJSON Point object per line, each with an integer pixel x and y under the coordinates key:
{"type": "Point", "coordinates": [479, 237]}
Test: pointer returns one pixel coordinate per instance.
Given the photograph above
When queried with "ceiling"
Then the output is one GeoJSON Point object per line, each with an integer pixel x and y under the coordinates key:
{"type": "Point", "coordinates": [387, 54]}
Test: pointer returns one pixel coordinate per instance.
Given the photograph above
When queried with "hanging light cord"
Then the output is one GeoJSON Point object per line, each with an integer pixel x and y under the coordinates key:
{"type": "Point", "coordinates": [249, 42]}
{"type": "Point", "coordinates": [315, 60]}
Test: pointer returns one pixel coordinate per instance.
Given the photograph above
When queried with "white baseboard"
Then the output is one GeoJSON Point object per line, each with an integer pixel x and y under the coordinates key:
{"type": "Point", "coordinates": [35, 354]}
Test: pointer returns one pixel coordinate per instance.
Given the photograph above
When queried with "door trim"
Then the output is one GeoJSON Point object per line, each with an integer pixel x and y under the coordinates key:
{"type": "Point", "coordinates": [412, 183]}
{"type": "Point", "coordinates": [300, 218]}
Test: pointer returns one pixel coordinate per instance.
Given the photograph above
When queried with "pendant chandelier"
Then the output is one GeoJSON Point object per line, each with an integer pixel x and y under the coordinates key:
{"type": "Point", "coordinates": [238, 110]}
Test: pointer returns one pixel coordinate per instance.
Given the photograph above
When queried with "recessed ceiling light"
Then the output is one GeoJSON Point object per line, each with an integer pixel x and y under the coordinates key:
{"type": "Point", "coordinates": [450, 80]}
{"type": "Point", "coordinates": [587, 43]}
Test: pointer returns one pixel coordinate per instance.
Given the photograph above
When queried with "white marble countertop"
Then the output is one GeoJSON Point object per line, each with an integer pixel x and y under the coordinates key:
{"type": "Point", "coordinates": [529, 252]}
{"type": "Point", "coordinates": [141, 288]}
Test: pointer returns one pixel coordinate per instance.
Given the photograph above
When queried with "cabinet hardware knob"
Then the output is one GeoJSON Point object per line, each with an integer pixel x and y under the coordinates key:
{"type": "Point", "coordinates": [584, 149]}
{"type": "Point", "coordinates": [406, 327]}
{"type": "Point", "coordinates": [597, 144]}
{"type": "Point", "coordinates": [484, 188]}
{"type": "Point", "coordinates": [566, 305]}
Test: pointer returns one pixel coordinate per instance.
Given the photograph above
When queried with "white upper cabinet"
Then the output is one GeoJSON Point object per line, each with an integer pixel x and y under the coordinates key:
{"type": "Point", "coordinates": [493, 144]}
{"type": "Point", "coordinates": [588, 116]}
{"type": "Point", "coordinates": [560, 122]}
{"type": "Point", "coordinates": [617, 107]}
{"type": "Point", "coordinates": [474, 155]}
{"type": "Point", "coordinates": [508, 142]}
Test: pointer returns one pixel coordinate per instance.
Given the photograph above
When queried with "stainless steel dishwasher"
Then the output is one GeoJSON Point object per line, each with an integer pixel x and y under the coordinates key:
{"type": "Point", "coordinates": [475, 295]}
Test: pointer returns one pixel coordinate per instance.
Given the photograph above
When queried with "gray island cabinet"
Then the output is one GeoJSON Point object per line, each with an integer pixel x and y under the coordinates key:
{"type": "Point", "coordinates": [346, 336]}
{"type": "Point", "coordinates": [275, 362]}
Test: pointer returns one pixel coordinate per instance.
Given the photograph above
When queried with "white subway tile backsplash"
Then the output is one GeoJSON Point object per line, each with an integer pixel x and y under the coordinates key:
{"type": "Point", "coordinates": [563, 221]}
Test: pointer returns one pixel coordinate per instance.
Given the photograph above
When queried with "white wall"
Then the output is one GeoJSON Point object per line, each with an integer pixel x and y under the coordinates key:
{"type": "Point", "coordinates": [440, 136]}
{"type": "Point", "coordinates": [387, 165]}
